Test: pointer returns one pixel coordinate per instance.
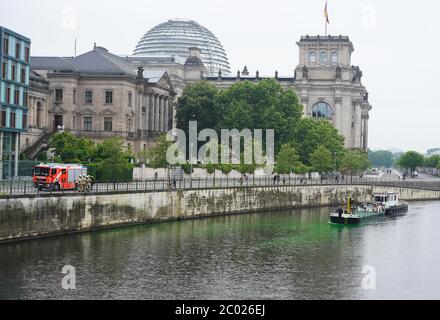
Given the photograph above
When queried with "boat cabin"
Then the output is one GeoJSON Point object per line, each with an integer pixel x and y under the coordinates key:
{"type": "Point", "coordinates": [387, 199]}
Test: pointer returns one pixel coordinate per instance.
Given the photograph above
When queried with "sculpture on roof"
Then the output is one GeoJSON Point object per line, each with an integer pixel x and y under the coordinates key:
{"type": "Point", "coordinates": [245, 71]}
{"type": "Point", "coordinates": [357, 74]}
{"type": "Point", "coordinates": [305, 72]}
{"type": "Point", "coordinates": [140, 73]}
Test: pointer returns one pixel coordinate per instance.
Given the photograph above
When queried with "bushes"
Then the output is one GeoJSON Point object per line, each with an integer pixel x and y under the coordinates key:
{"type": "Point", "coordinates": [102, 172]}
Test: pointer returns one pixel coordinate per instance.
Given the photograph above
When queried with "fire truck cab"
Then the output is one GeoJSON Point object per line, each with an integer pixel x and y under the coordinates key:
{"type": "Point", "coordinates": [57, 176]}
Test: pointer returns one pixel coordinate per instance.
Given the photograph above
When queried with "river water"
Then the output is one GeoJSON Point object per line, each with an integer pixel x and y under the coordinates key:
{"type": "Point", "coordinates": [284, 255]}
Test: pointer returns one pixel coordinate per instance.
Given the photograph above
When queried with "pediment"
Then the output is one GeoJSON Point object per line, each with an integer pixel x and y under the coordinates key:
{"type": "Point", "coordinates": [165, 82]}
{"type": "Point", "coordinates": [57, 109]}
{"type": "Point", "coordinates": [87, 112]}
{"type": "Point", "coordinates": [107, 112]}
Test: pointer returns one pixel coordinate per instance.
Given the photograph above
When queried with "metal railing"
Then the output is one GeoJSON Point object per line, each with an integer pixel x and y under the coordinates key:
{"type": "Point", "coordinates": [20, 187]}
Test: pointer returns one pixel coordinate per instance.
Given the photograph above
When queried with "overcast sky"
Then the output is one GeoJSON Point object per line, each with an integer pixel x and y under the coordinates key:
{"type": "Point", "coordinates": [396, 44]}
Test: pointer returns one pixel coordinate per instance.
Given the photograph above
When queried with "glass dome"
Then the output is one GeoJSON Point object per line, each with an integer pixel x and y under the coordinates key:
{"type": "Point", "coordinates": [175, 37]}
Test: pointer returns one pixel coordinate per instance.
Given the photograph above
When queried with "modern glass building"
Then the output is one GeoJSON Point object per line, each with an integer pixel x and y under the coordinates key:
{"type": "Point", "coordinates": [175, 37]}
{"type": "Point", "coordinates": [14, 87]}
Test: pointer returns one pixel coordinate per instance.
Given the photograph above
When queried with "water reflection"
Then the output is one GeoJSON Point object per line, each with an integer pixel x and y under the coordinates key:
{"type": "Point", "coordinates": [283, 255]}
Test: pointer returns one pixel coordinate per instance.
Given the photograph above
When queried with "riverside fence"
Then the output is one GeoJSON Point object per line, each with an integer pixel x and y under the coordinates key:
{"type": "Point", "coordinates": [23, 187]}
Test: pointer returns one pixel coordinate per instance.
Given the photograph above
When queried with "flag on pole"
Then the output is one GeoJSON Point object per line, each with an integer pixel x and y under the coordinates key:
{"type": "Point", "coordinates": [327, 19]}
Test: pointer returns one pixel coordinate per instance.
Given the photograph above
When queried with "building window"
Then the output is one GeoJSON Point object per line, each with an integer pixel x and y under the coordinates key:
{"type": "Point", "coordinates": [14, 72]}
{"type": "Point", "coordinates": [74, 123]}
{"type": "Point", "coordinates": [108, 124]}
{"type": "Point", "coordinates": [23, 75]}
{"type": "Point", "coordinates": [17, 51]}
{"type": "Point", "coordinates": [334, 58]}
{"type": "Point", "coordinates": [88, 97]}
{"type": "Point", "coordinates": [25, 99]}
{"type": "Point", "coordinates": [27, 54]}
{"type": "Point", "coordinates": [24, 121]}
{"type": "Point", "coordinates": [4, 69]}
{"type": "Point", "coordinates": [130, 99]}
{"type": "Point", "coordinates": [3, 123]}
{"type": "Point", "coordinates": [323, 58]}
{"type": "Point", "coordinates": [109, 97]}
{"type": "Point", "coordinates": [58, 95]}
{"type": "Point", "coordinates": [8, 95]}
{"type": "Point", "coordinates": [17, 97]}
{"type": "Point", "coordinates": [6, 46]}
{"type": "Point", "coordinates": [322, 110]}
{"type": "Point", "coordinates": [87, 123]}
{"type": "Point", "coordinates": [312, 57]}
{"type": "Point", "coordinates": [12, 120]}
{"type": "Point", "coordinates": [74, 96]}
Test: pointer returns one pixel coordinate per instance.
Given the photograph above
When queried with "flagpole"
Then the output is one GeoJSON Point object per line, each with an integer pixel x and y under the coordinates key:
{"type": "Point", "coordinates": [326, 17]}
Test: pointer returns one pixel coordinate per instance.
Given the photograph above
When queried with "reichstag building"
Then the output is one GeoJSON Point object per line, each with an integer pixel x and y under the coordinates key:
{"type": "Point", "coordinates": [99, 94]}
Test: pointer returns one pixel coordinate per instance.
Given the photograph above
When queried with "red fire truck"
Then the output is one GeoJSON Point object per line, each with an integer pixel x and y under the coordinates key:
{"type": "Point", "coordinates": [57, 176]}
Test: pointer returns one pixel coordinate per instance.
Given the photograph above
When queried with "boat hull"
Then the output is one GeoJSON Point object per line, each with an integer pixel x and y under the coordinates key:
{"type": "Point", "coordinates": [355, 220]}
{"type": "Point", "coordinates": [397, 211]}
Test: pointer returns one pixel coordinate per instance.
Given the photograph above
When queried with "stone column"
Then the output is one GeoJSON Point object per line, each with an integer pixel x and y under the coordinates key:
{"type": "Point", "coordinates": [160, 124]}
{"type": "Point", "coordinates": [162, 113]}
{"type": "Point", "coordinates": [167, 115]}
{"type": "Point", "coordinates": [156, 112]}
{"type": "Point", "coordinates": [151, 112]}
{"type": "Point", "coordinates": [357, 125]}
{"type": "Point", "coordinates": [147, 112]}
{"type": "Point", "coordinates": [141, 115]}
{"type": "Point", "coordinates": [366, 119]}
{"type": "Point", "coordinates": [338, 114]}
{"type": "Point", "coordinates": [305, 103]}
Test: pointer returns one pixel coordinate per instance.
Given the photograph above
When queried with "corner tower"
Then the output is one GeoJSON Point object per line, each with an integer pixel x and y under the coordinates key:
{"type": "Point", "coordinates": [330, 87]}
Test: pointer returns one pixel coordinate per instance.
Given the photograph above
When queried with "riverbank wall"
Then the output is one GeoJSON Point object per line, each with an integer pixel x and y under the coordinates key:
{"type": "Point", "coordinates": [29, 217]}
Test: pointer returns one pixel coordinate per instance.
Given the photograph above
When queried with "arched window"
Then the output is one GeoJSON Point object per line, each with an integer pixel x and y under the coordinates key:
{"type": "Point", "coordinates": [312, 57]}
{"type": "Point", "coordinates": [322, 110]}
{"type": "Point", "coordinates": [323, 58]}
{"type": "Point", "coordinates": [334, 58]}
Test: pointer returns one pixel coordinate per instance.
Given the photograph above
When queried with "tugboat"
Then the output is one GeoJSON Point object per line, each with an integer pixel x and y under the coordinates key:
{"type": "Point", "coordinates": [390, 201]}
{"type": "Point", "coordinates": [384, 205]}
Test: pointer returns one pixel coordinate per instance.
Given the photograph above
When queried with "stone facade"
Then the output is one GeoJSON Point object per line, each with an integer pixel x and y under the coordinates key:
{"type": "Point", "coordinates": [143, 105]}
{"type": "Point", "coordinates": [328, 86]}
{"type": "Point", "coordinates": [38, 104]}
{"type": "Point", "coordinates": [98, 95]}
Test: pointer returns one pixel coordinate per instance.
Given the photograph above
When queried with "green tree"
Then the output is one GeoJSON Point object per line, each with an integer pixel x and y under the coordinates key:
{"type": "Point", "coordinates": [70, 148]}
{"type": "Point", "coordinates": [157, 155]}
{"type": "Point", "coordinates": [198, 103]}
{"type": "Point", "coordinates": [381, 159]}
{"type": "Point", "coordinates": [287, 160]}
{"type": "Point", "coordinates": [321, 160]}
{"type": "Point", "coordinates": [114, 161]}
{"type": "Point", "coordinates": [311, 133]}
{"type": "Point", "coordinates": [411, 160]}
{"type": "Point", "coordinates": [263, 105]}
{"type": "Point", "coordinates": [355, 161]}
{"type": "Point", "coordinates": [432, 162]}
